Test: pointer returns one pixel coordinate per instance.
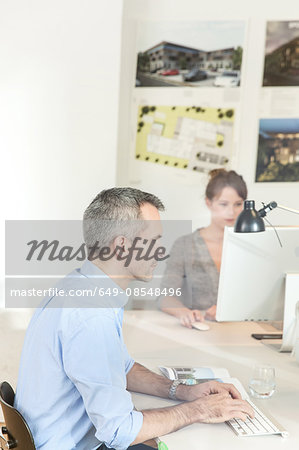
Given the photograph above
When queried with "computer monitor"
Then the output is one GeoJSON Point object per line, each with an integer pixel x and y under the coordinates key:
{"type": "Point", "coordinates": [252, 276]}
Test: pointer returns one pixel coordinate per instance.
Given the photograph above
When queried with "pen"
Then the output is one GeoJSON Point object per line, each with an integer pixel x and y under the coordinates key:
{"type": "Point", "coordinates": [161, 444]}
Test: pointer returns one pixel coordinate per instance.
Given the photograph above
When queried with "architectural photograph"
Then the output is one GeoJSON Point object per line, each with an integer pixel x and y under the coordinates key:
{"type": "Point", "coordinates": [281, 66]}
{"type": "Point", "coordinates": [190, 54]}
{"type": "Point", "coordinates": [278, 150]}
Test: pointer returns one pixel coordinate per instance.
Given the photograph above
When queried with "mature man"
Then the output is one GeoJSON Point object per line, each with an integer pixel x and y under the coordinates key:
{"type": "Point", "coordinates": [76, 374]}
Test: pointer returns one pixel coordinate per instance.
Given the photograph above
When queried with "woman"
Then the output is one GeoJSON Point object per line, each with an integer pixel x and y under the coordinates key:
{"type": "Point", "coordinates": [195, 259]}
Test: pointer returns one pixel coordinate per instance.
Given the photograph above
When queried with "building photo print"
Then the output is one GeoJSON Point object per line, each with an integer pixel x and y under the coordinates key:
{"type": "Point", "coordinates": [199, 54]}
{"type": "Point", "coordinates": [278, 150]}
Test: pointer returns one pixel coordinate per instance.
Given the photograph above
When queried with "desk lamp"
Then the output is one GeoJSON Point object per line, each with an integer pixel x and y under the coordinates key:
{"type": "Point", "coordinates": [251, 221]}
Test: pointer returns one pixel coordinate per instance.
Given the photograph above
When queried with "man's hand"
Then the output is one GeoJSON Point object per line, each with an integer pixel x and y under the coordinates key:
{"type": "Point", "coordinates": [191, 393]}
{"type": "Point", "coordinates": [187, 317]}
{"type": "Point", "coordinates": [211, 313]}
{"type": "Point", "coordinates": [214, 408]}
{"type": "Point", "coordinates": [210, 402]}
{"type": "Point", "coordinates": [219, 408]}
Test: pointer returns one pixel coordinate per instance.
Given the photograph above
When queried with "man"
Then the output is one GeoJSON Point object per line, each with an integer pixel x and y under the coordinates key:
{"type": "Point", "coordinates": [76, 374]}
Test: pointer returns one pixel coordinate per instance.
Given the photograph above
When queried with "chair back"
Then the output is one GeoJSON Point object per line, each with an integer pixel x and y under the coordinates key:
{"type": "Point", "coordinates": [18, 434]}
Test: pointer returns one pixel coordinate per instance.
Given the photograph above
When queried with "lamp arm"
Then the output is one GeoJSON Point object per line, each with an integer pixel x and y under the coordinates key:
{"type": "Point", "coordinates": [295, 211]}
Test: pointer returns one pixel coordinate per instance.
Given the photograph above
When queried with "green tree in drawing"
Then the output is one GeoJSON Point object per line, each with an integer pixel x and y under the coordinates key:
{"type": "Point", "coordinates": [143, 62]}
{"type": "Point", "coordinates": [237, 58]}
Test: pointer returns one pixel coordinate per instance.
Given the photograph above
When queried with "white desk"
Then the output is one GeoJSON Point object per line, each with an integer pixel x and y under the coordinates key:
{"type": "Point", "coordinates": [155, 339]}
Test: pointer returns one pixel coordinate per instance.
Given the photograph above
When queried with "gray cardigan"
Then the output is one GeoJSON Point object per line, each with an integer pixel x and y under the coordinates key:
{"type": "Point", "coordinates": [191, 268]}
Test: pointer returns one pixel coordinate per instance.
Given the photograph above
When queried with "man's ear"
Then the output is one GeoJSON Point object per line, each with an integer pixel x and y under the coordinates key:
{"type": "Point", "coordinates": [121, 243]}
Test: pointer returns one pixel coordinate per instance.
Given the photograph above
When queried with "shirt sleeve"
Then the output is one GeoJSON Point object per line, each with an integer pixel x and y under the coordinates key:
{"type": "Point", "coordinates": [96, 361]}
{"type": "Point", "coordinates": [129, 361]}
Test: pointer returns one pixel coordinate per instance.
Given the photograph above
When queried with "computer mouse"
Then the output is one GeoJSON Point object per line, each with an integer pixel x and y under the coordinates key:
{"type": "Point", "coordinates": [202, 326]}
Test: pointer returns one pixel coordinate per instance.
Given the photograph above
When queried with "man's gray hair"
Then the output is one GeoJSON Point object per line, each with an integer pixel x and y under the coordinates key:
{"type": "Point", "coordinates": [114, 212]}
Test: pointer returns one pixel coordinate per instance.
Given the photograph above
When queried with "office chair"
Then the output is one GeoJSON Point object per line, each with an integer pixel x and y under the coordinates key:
{"type": "Point", "coordinates": [16, 429]}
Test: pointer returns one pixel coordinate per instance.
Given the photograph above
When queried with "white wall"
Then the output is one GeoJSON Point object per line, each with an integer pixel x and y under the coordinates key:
{"type": "Point", "coordinates": [183, 192]}
{"type": "Point", "coordinates": [59, 86]}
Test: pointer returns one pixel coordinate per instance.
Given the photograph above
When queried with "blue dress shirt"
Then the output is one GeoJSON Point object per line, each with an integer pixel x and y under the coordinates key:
{"type": "Point", "coordinates": [72, 379]}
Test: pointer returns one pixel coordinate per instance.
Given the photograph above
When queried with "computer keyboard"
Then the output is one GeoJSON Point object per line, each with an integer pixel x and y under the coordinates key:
{"type": "Point", "coordinates": [258, 426]}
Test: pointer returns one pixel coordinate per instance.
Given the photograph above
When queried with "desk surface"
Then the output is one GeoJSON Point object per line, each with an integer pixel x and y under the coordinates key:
{"type": "Point", "coordinates": [155, 339]}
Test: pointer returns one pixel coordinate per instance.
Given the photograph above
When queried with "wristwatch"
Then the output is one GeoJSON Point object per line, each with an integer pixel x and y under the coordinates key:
{"type": "Point", "coordinates": [173, 388]}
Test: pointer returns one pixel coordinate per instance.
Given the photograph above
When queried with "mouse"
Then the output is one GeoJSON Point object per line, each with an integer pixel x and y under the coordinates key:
{"type": "Point", "coordinates": [202, 326]}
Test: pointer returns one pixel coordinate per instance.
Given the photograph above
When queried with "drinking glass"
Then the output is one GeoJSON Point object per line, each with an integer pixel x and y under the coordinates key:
{"type": "Point", "coordinates": [262, 382]}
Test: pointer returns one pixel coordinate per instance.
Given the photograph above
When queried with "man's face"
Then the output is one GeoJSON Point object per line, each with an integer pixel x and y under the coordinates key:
{"type": "Point", "coordinates": [143, 270]}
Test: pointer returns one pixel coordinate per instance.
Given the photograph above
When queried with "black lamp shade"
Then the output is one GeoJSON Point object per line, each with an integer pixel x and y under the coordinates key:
{"type": "Point", "coordinates": [249, 220]}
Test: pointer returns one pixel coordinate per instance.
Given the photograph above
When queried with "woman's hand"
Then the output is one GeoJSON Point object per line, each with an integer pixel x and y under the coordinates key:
{"type": "Point", "coordinates": [189, 316]}
{"type": "Point", "coordinates": [211, 313]}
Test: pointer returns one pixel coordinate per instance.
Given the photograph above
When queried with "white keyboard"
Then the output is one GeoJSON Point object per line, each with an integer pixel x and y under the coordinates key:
{"type": "Point", "coordinates": [258, 426]}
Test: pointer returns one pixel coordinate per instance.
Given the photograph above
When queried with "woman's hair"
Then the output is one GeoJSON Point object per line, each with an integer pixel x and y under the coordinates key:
{"type": "Point", "coordinates": [220, 178]}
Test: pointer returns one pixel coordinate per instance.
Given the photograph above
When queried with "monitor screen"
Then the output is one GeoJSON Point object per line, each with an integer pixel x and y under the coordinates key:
{"type": "Point", "coordinates": [252, 275]}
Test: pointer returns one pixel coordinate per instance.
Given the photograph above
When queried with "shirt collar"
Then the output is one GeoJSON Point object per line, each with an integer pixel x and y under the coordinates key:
{"type": "Point", "coordinates": [103, 281]}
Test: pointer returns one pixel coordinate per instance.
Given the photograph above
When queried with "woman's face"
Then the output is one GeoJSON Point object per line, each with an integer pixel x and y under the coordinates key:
{"type": "Point", "coordinates": [225, 207]}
